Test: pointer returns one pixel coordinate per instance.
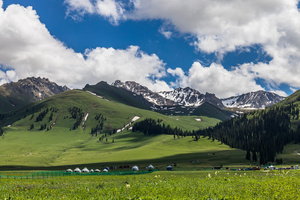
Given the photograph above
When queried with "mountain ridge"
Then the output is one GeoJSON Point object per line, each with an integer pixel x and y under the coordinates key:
{"type": "Point", "coordinates": [15, 95]}
{"type": "Point", "coordinates": [193, 98]}
{"type": "Point", "coordinates": [253, 100]}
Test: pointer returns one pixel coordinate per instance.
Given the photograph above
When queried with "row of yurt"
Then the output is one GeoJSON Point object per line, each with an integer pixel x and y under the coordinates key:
{"type": "Point", "coordinates": [136, 168]}
{"type": "Point", "coordinates": [84, 170]}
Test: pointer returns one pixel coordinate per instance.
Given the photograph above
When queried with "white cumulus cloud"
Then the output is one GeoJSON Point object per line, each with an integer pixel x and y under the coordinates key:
{"type": "Point", "coordinates": [28, 49]}
{"type": "Point", "coordinates": [107, 8]}
{"type": "Point", "coordinates": [223, 26]}
{"type": "Point", "coordinates": [216, 79]}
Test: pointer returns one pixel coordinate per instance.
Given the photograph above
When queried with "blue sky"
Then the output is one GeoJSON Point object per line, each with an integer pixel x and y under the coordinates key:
{"type": "Point", "coordinates": [226, 49]}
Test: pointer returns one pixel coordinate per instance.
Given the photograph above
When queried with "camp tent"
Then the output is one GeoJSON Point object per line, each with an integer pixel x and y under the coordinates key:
{"type": "Point", "coordinates": [105, 170]}
{"type": "Point", "coordinates": [77, 170]}
{"type": "Point", "coordinates": [150, 167]}
{"type": "Point", "coordinates": [69, 170]}
{"type": "Point", "coordinates": [85, 170]}
{"type": "Point", "coordinates": [135, 168]}
{"type": "Point", "coordinates": [97, 170]}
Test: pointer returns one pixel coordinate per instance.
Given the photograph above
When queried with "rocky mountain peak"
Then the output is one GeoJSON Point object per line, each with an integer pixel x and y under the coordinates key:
{"type": "Point", "coordinates": [253, 100]}
{"type": "Point", "coordinates": [138, 89]}
{"type": "Point", "coordinates": [33, 88]}
{"type": "Point", "coordinates": [190, 97]}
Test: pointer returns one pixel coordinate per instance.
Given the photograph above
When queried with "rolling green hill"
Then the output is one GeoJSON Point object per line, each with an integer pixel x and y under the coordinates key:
{"type": "Point", "coordinates": [118, 94]}
{"type": "Point", "coordinates": [48, 133]}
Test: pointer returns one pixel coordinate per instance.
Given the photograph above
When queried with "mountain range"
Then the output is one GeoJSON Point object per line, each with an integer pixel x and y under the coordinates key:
{"type": "Point", "coordinates": [192, 98]}
{"type": "Point", "coordinates": [15, 95]}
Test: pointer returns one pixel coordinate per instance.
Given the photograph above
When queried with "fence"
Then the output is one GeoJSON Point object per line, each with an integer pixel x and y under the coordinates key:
{"type": "Point", "coordinates": [49, 174]}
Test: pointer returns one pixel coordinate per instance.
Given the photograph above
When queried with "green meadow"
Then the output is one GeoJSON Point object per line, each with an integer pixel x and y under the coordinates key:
{"type": "Point", "coordinates": [160, 185]}
{"type": "Point", "coordinates": [60, 146]}
{"type": "Point", "coordinates": [27, 148]}
{"type": "Point", "coordinates": [46, 149]}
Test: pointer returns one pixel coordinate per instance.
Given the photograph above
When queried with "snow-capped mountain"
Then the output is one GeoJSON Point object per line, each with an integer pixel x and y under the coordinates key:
{"type": "Point", "coordinates": [150, 96]}
{"type": "Point", "coordinates": [191, 97]}
{"type": "Point", "coordinates": [252, 100]}
{"type": "Point", "coordinates": [180, 96]}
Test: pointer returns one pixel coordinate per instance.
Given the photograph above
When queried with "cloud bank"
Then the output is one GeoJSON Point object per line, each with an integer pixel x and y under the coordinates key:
{"type": "Point", "coordinates": [224, 26]}
{"type": "Point", "coordinates": [28, 49]}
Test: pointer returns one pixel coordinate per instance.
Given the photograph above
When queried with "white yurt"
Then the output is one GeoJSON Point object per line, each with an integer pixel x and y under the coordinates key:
{"type": "Point", "coordinates": [150, 167]}
{"type": "Point", "coordinates": [105, 170]}
{"type": "Point", "coordinates": [97, 170]}
{"type": "Point", "coordinates": [85, 170]}
{"type": "Point", "coordinates": [92, 171]}
{"type": "Point", "coordinates": [135, 168]}
{"type": "Point", "coordinates": [69, 170]}
{"type": "Point", "coordinates": [77, 170]}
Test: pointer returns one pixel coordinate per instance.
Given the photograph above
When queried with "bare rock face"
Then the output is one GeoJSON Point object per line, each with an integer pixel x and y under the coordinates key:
{"type": "Point", "coordinates": [16, 95]}
{"type": "Point", "coordinates": [34, 89]}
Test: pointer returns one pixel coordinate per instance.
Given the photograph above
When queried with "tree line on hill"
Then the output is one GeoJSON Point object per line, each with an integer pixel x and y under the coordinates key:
{"type": "Point", "coordinates": [155, 127]}
{"type": "Point", "coordinates": [262, 134]}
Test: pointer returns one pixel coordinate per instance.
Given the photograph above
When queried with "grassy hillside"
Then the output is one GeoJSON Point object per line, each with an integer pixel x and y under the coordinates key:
{"type": "Point", "coordinates": [12, 102]}
{"type": "Point", "coordinates": [118, 94]}
{"type": "Point", "coordinates": [43, 135]}
{"type": "Point", "coordinates": [210, 110]}
{"type": "Point", "coordinates": [116, 114]}
{"type": "Point", "coordinates": [69, 148]}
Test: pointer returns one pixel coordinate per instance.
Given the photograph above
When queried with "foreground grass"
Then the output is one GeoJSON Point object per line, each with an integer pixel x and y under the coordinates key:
{"type": "Point", "coordinates": [159, 185]}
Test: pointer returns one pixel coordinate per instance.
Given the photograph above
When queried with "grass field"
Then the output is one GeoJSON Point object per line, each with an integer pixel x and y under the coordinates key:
{"type": "Point", "coordinates": [160, 185]}
{"type": "Point", "coordinates": [46, 149]}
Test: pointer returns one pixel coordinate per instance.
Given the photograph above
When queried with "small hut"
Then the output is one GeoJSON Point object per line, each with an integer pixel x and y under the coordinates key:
{"type": "Point", "coordinates": [97, 170]}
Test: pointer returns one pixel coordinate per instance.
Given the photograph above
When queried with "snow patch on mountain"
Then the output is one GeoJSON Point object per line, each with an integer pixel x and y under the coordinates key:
{"type": "Point", "coordinates": [253, 100]}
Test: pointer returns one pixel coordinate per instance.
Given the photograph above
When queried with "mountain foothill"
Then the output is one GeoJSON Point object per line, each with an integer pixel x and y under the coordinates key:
{"type": "Point", "coordinates": [260, 123]}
